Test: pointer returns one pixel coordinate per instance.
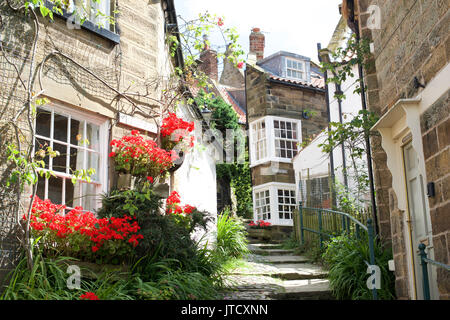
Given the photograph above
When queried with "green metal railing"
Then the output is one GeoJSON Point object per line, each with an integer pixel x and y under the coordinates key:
{"type": "Point", "coordinates": [424, 262]}
{"type": "Point", "coordinates": [345, 226]}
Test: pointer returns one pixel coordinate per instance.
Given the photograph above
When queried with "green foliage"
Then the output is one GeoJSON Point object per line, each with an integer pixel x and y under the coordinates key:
{"type": "Point", "coordinates": [164, 235]}
{"type": "Point", "coordinates": [343, 61]}
{"type": "Point", "coordinates": [231, 236]}
{"type": "Point", "coordinates": [48, 281]}
{"type": "Point", "coordinates": [347, 259]}
{"type": "Point", "coordinates": [224, 118]}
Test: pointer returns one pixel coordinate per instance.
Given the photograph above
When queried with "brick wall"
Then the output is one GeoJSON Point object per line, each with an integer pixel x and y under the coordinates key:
{"type": "Point", "coordinates": [413, 42]}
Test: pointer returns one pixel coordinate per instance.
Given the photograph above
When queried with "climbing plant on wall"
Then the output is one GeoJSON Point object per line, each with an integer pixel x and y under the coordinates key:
{"type": "Point", "coordinates": [223, 119]}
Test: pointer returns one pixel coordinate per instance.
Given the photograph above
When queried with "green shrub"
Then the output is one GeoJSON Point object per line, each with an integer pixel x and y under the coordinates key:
{"type": "Point", "coordinates": [347, 259]}
{"type": "Point", "coordinates": [231, 236]}
{"type": "Point", "coordinates": [164, 235]}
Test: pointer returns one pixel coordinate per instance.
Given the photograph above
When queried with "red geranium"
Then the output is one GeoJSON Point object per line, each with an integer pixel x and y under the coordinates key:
{"type": "Point", "coordinates": [175, 132]}
{"type": "Point", "coordinates": [173, 205]}
{"type": "Point", "coordinates": [89, 296]}
{"type": "Point", "coordinates": [80, 233]}
{"type": "Point", "coordinates": [140, 157]}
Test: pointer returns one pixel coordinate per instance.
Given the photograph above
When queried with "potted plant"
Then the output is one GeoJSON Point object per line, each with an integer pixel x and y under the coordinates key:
{"type": "Point", "coordinates": [260, 229]}
{"type": "Point", "coordinates": [176, 137]}
{"type": "Point", "coordinates": [135, 156]}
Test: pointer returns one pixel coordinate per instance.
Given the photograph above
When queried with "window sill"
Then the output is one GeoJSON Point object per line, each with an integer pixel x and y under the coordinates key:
{"type": "Point", "coordinates": [88, 25]}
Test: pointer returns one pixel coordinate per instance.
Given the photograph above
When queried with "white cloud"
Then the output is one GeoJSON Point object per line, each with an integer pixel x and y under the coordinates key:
{"type": "Point", "coordinates": [290, 25]}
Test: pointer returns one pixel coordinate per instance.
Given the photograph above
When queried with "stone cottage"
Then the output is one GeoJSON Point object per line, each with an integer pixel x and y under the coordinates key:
{"type": "Point", "coordinates": [285, 105]}
{"type": "Point", "coordinates": [408, 87]}
{"type": "Point", "coordinates": [102, 80]}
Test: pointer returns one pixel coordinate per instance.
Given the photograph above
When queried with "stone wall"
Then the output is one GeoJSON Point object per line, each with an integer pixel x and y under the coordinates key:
{"type": "Point", "coordinates": [413, 41]}
{"type": "Point", "coordinates": [435, 126]}
{"type": "Point", "coordinates": [139, 65]}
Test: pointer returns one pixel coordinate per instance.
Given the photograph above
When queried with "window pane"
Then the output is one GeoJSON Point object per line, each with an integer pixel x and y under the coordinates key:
{"type": "Point", "coordinates": [294, 64]}
{"type": "Point", "coordinates": [55, 190]}
{"type": "Point", "coordinates": [89, 199]}
{"type": "Point", "coordinates": [289, 73]}
{"type": "Point", "coordinates": [42, 144]}
{"type": "Point", "coordinates": [76, 159]}
{"type": "Point", "coordinates": [43, 120]}
{"type": "Point", "coordinates": [69, 193]}
{"type": "Point", "coordinates": [289, 63]}
{"type": "Point", "coordinates": [93, 136]}
{"type": "Point", "coordinates": [41, 188]}
{"type": "Point", "coordinates": [60, 128]}
{"type": "Point", "coordinates": [93, 161]}
{"type": "Point", "coordinates": [76, 131]}
{"type": "Point", "coordinates": [59, 162]}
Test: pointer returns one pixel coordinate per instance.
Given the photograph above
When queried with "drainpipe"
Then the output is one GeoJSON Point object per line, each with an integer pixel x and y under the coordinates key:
{"type": "Point", "coordinates": [338, 91]}
{"type": "Point", "coordinates": [364, 106]}
{"type": "Point", "coordinates": [327, 101]}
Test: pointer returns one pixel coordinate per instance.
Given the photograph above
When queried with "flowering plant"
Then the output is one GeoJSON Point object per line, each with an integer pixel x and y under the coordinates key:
{"type": "Point", "coordinates": [89, 296]}
{"type": "Point", "coordinates": [260, 224]}
{"type": "Point", "coordinates": [175, 132]}
{"type": "Point", "coordinates": [80, 234]}
{"type": "Point", "coordinates": [141, 157]}
{"type": "Point", "coordinates": [182, 215]}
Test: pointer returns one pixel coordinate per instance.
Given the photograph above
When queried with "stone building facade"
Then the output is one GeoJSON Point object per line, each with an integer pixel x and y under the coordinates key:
{"type": "Point", "coordinates": [101, 82]}
{"type": "Point", "coordinates": [282, 111]}
{"type": "Point", "coordinates": [408, 86]}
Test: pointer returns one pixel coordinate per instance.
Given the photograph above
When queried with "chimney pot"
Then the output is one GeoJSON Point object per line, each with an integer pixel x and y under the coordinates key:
{"type": "Point", "coordinates": [257, 43]}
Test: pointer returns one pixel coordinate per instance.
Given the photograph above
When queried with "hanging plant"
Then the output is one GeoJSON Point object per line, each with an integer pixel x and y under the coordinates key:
{"type": "Point", "coordinates": [176, 133]}
{"type": "Point", "coordinates": [141, 157]}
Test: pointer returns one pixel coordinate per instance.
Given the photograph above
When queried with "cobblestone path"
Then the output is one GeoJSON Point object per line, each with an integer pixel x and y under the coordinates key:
{"type": "Point", "coordinates": [273, 273]}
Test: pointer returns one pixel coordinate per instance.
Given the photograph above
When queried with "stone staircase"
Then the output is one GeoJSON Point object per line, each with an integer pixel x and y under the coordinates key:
{"type": "Point", "coordinates": [274, 273]}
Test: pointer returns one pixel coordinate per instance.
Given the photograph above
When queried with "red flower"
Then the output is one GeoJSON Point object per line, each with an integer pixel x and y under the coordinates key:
{"type": "Point", "coordinates": [150, 179]}
{"type": "Point", "coordinates": [112, 154]}
{"type": "Point", "coordinates": [220, 22]}
{"type": "Point", "coordinates": [240, 65]}
{"type": "Point", "coordinates": [89, 296]}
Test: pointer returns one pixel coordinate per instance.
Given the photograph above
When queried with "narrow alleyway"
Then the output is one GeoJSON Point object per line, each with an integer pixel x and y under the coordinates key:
{"type": "Point", "coordinates": [273, 273]}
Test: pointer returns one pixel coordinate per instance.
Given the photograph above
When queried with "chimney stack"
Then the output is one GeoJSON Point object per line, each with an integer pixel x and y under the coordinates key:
{"type": "Point", "coordinates": [209, 64]}
{"type": "Point", "coordinates": [257, 43]}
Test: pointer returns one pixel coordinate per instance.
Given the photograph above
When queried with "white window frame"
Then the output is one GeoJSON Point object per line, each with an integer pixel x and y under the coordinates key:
{"type": "Point", "coordinates": [104, 7]}
{"type": "Point", "coordinates": [273, 188]}
{"type": "Point", "coordinates": [270, 140]}
{"type": "Point", "coordinates": [102, 182]}
{"type": "Point", "coordinates": [292, 69]}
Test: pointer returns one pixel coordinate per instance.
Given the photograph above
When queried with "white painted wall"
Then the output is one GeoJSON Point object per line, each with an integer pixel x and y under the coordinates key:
{"type": "Point", "coordinates": [195, 180]}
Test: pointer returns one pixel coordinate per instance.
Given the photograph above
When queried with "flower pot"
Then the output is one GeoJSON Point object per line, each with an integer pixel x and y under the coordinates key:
{"type": "Point", "coordinates": [161, 190]}
{"type": "Point", "coordinates": [124, 181]}
{"type": "Point", "coordinates": [178, 164]}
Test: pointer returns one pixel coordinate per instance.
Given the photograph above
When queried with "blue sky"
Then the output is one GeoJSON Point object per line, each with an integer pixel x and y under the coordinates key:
{"type": "Point", "coordinates": [289, 25]}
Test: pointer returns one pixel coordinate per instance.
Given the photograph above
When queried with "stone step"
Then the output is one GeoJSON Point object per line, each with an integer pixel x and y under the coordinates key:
{"type": "Point", "coordinates": [300, 271]}
{"type": "Point", "coordinates": [284, 259]}
{"type": "Point", "coordinates": [262, 245]}
{"type": "Point", "coordinates": [272, 252]}
{"type": "Point", "coordinates": [312, 289]}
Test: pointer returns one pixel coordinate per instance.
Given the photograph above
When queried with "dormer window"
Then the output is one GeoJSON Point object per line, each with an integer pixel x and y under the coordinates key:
{"type": "Point", "coordinates": [295, 69]}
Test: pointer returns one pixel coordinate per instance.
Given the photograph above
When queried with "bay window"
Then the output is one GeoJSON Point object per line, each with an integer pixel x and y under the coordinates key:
{"type": "Point", "coordinates": [274, 139]}
{"type": "Point", "coordinates": [274, 202]}
{"type": "Point", "coordinates": [81, 141]}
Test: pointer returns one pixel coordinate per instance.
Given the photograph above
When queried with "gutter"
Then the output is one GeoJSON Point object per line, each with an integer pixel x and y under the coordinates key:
{"type": "Point", "coordinates": [327, 100]}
